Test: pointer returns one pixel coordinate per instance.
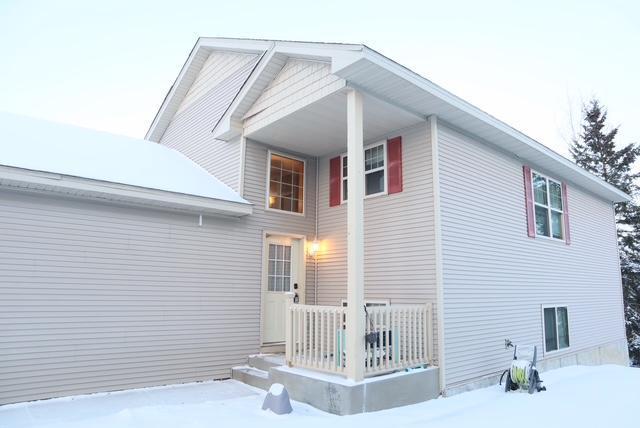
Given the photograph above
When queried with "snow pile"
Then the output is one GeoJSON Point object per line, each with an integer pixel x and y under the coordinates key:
{"type": "Point", "coordinates": [63, 149]}
{"type": "Point", "coordinates": [576, 396]}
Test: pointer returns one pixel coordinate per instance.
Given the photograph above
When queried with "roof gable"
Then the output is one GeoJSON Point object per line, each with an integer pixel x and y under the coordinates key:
{"type": "Point", "coordinates": [384, 79]}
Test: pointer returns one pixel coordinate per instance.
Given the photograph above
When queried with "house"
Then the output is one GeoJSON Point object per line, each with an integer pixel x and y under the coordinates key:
{"type": "Point", "coordinates": [336, 179]}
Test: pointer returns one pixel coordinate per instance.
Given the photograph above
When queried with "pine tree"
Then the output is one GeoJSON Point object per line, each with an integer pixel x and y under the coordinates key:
{"type": "Point", "coordinates": [594, 149]}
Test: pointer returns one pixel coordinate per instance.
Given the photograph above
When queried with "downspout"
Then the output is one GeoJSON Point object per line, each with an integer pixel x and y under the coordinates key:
{"type": "Point", "coordinates": [315, 258]}
{"type": "Point", "coordinates": [437, 226]}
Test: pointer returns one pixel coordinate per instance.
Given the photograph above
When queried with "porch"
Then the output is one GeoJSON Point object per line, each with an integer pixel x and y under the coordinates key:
{"type": "Point", "coordinates": [396, 337]}
{"type": "Point", "coordinates": [347, 338]}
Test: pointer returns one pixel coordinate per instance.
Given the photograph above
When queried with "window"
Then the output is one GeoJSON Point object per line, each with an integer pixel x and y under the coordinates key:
{"type": "Point", "coordinates": [556, 328]}
{"type": "Point", "coordinates": [375, 182]}
{"type": "Point", "coordinates": [344, 177]}
{"type": "Point", "coordinates": [286, 184]}
{"type": "Point", "coordinates": [547, 197]}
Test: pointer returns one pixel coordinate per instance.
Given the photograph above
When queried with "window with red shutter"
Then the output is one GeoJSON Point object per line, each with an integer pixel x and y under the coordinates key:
{"type": "Point", "coordinates": [394, 165]}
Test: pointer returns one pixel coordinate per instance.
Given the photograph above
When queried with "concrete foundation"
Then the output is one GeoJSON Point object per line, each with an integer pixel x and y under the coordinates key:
{"type": "Point", "coordinates": [610, 353]}
{"type": "Point", "coordinates": [335, 394]}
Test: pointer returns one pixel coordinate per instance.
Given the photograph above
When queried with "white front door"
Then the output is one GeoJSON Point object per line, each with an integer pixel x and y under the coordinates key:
{"type": "Point", "coordinates": [283, 277]}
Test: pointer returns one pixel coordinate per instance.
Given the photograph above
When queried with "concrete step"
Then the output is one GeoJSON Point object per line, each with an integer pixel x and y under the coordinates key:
{"type": "Point", "coordinates": [266, 361]}
{"type": "Point", "coordinates": [251, 376]}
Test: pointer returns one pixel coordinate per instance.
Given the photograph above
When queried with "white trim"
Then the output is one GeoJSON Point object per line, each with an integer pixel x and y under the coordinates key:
{"type": "Point", "coordinates": [355, 238]}
{"type": "Point", "coordinates": [437, 232]}
{"type": "Point", "coordinates": [77, 187]}
{"type": "Point", "coordinates": [558, 350]}
{"type": "Point", "coordinates": [243, 163]}
{"type": "Point", "coordinates": [384, 168]}
{"type": "Point", "coordinates": [304, 182]}
{"type": "Point", "coordinates": [548, 207]}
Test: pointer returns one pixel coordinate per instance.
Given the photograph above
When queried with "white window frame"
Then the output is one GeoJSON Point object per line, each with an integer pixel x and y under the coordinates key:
{"type": "Point", "coordinates": [384, 168]}
{"type": "Point", "coordinates": [544, 335]}
{"type": "Point", "coordinates": [548, 207]}
{"type": "Point", "coordinates": [267, 187]}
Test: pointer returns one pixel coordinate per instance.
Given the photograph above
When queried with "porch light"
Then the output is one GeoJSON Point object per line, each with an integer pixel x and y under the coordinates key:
{"type": "Point", "coordinates": [314, 248]}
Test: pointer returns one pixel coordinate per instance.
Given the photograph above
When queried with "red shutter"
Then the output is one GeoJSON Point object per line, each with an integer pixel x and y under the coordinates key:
{"type": "Point", "coordinates": [394, 165]}
{"type": "Point", "coordinates": [335, 177]}
{"type": "Point", "coordinates": [528, 197]}
{"type": "Point", "coordinates": [565, 210]}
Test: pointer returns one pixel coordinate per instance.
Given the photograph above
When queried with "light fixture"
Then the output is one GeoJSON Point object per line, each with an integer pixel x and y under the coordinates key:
{"type": "Point", "coordinates": [314, 248]}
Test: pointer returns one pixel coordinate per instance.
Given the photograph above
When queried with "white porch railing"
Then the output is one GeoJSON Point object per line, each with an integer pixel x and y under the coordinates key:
{"type": "Point", "coordinates": [403, 337]}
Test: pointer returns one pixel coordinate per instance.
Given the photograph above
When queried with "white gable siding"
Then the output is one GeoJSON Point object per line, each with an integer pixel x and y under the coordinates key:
{"type": "Point", "coordinates": [298, 84]}
{"type": "Point", "coordinates": [189, 132]}
{"type": "Point", "coordinates": [399, 241]}
{"type": "Point", "coordinates": [216, 69]}
{"type": "Point", "coordinates": [496, 278]}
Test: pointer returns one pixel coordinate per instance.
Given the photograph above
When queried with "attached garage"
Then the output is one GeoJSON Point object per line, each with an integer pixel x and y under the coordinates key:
{"type": "Point", "coordinates": [117, 277]}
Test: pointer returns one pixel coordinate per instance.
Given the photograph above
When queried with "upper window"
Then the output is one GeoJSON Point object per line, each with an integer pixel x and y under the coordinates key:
{"type": "Point", "coordinates": [286, 184]}
{"type": "Point", "coordinates": [556, 328]}
{"type": "Point", "coordinates": [547, 196]}
{"type": "Point", "coordinates": [375, 169]}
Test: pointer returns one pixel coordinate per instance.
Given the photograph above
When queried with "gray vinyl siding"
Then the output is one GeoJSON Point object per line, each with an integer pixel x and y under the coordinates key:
{"type": "Point", "coordinates": [496, 278]}
{"type": "Point", "coordinates": [97, 297]}
{"type": "Point", "coordinates": [273, 221]}
{"type": "Point", "coordinates": [190, 129]}
{"type": "Point", "coordinates": [399, 233]}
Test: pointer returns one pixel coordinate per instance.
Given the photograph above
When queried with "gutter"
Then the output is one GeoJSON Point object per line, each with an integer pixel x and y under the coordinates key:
{"type": "Point", "coordinates": [18, 179]}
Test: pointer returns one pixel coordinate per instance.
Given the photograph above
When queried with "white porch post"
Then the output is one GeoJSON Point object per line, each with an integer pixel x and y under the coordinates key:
{"type": "Point", "coordinates": [355, 238]}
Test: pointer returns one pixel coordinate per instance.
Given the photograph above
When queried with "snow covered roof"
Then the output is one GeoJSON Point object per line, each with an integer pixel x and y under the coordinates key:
{"type": "Point", "coordinates": [147, 169]}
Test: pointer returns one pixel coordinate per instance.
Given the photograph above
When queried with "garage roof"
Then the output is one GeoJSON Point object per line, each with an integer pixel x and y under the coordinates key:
{"type": "Point", "coordinates": [142, 169]}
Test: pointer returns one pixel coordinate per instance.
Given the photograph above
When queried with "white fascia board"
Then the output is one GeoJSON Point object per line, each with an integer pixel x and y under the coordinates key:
{"type": "Point", "coordinates": [44, 182]}
{"type": "Point", "coordinates": [435, 90]}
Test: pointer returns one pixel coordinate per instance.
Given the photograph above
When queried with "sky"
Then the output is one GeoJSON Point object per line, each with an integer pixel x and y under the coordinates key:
{"type": "Point", "coordinates": [107, 65]}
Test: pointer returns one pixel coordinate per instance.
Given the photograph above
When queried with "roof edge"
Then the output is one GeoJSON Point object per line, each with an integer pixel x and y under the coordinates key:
{"type": "Point", "coordinates": [424, 83]}
{"type": "Point", "coordinates": [20, 179]}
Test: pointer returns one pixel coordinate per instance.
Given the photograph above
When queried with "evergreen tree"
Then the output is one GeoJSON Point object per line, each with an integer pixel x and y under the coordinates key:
{"type": "Point", "coordinates": [594, 149]}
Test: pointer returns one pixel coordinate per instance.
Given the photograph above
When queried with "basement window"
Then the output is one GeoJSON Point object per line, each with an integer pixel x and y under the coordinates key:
{"type": "Point", "coordinates": [556, 328]}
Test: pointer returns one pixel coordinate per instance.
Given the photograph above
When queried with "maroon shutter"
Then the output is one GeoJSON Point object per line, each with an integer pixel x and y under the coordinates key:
{"type": "Point", "coordinates": [394, 167]}
{"type": "Point", "coordinates": [565, 210]}
{"type": "Point", "coordinates": [335, 168]}
{"type": "Point", "coordinates": [528, 197]}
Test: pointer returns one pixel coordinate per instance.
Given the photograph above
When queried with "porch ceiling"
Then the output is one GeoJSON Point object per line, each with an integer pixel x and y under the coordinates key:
{"type": "Point", "coordinates": [321, 128]}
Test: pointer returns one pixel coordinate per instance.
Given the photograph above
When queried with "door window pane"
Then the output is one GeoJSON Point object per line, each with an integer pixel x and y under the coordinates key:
{"type": "Point", "coordinates": [279, 268]}
{"type": "Point", "coordinates": [286, 184]}
{"type": "Point", "coordinates": [551, 341]}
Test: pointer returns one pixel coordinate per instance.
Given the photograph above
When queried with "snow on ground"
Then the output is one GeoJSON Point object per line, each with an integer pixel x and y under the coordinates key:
{"type": "Point", "coordinates": [576, 396]}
